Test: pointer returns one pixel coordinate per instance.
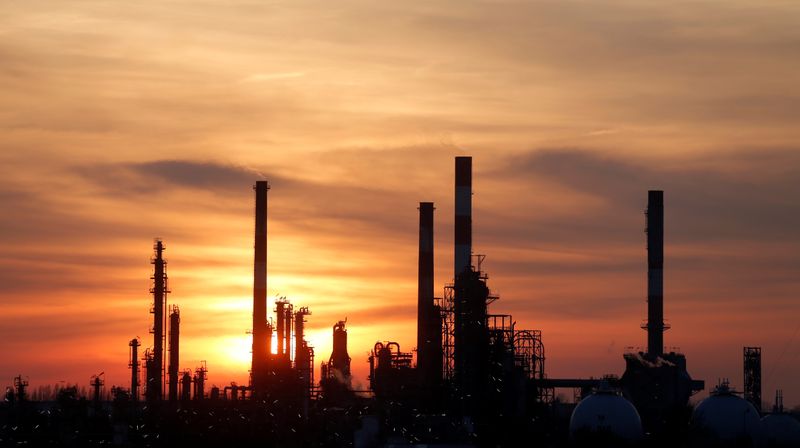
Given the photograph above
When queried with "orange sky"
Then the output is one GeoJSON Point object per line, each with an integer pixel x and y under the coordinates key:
{"type": "Point", "coordinates": [122, 121]}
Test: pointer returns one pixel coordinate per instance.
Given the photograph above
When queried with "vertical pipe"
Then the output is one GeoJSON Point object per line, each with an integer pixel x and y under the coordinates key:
{"type": "Point", "coordinates": [287, 328]}
{"type": "Point", "coordinates": [258, 366]}
{"type": "Point", "coordinates": [303, 357]}
{"type": "Point", "coordinates": [159, 291]}
{"type": "Point", "coordinates": [655, 272]}
{"type": "Point", "coordinates": [134, 365]}
{"type": "Point", "coordinates": [427, 316]}
{"type": "Point", "coordinates": [281, 314]}
{"type": "Point", "coordinates": [269, 342]}
{"type": "Point", "coordinates": [174, 348]}
{"type": "Point", "coordinates": [299, 329]}
{"type": "Point", "coordinates": [463, 215]}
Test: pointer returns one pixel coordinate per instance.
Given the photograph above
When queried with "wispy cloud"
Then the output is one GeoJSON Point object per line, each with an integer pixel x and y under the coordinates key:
{"type": "Point", "coordinates": [265, 77]}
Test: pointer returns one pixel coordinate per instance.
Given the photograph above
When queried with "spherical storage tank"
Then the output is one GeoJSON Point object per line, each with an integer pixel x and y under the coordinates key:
{"type": "Point", "coordinates": [727, 419]}
{"type": "Point", "coordinates": [605, 415]}
{"type": "Point", "coordinates": [781, 430]}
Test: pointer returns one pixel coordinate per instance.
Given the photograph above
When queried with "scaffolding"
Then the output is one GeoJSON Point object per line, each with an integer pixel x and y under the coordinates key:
{"type": "Point", "coordinates": [446, 309]}
{"type": "Point", "coordinates": [752, 376]}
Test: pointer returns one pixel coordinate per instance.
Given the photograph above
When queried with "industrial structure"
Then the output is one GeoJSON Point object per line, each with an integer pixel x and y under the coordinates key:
{"type": "Point", "coordinates": [470, 363]}
{"type": "Point", "coordinates": [429, 314]}
{"type": "Point", "coordinates": [133, 364]}
{"type": "Point", "coordinates": [259, 369]}
{"type": "Point", "coordinates": [280, 375]}
{"type": "Point", "coordinates": [475, 378]}
{"type": "Point", "coordinates": [97, 384]}
{"type": "Point", "coordinates": [752, 376]}
{"type": "Point", "coordinates": [174, 351]}
{"type": "Point", "coordinates": [154, 359]}
{"type": "Point", "coordinates": [656, 382]}
{"type": "Point", "coordinates": [336, 381]}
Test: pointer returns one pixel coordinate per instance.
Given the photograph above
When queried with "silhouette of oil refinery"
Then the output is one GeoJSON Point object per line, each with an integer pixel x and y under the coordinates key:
{"type": "Point", "coordinates": [474, 379]}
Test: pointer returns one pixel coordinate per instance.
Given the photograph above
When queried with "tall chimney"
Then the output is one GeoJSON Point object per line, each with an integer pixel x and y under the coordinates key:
{"type": "Point", "coordinates": [463, 215]}
{"type": "Point", "coordinates": [260, 349]}
{"type": "Point", "coordinates": [154, 390]}
{"type": "Point", "coordinates": [428, 321]}
{"type": "Point", "coordinates": [174, 346]}
{"type": "Point", "coordinates": [655, 272]}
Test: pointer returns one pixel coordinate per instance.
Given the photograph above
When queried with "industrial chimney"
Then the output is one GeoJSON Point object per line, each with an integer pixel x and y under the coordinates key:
{"type": "Point", "coordinates": [463, 215]}
{"type": "Point", "coordinates": [470, 336]}
{"type": "Point", "coordinates": [260, 349]}
{"type": "Point", "coordinates": [655, 273]}
{"type": "Point", "coordinates": [429, 337]}
{"type": "Point", "coordinates": [174, 349]}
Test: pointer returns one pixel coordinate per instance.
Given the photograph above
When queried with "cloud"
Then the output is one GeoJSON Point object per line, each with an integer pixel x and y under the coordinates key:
{"type": "Point", "coordinates": [120, 124]}
{"type": "Point", "coordinates": [152, 176]}
{"type": "Point", "coordinates": [262, 77]}
{"type": "Point", "coordinates": [747, 196]}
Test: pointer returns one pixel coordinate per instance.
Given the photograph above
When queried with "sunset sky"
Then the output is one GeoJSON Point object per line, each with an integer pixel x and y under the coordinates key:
{"type": "Point", "coordinates": [125, 121]}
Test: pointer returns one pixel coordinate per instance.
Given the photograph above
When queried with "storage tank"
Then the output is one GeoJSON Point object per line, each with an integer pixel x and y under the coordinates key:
{"type": "Point", "coordinates": [605, 415]}
{"type": "Point", "coordinates": [725, 419]}
{"type": "Point", "coordinates": [781, 430]}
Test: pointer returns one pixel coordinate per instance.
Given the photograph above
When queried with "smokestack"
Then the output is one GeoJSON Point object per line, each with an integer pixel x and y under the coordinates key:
{"type": "Point", "coordinates": [174, 346]}
{"type": "Point", "coordinates": [463, 215]}
{"type": "Point", "coordinates": [260, 349]}
{"type": "Point", "coordinates": [134, 365]}
{"type": "Point", "coordinates": [428, 320]}
{"type": "Point", "coordinates": [655, 272]}
{"type": "Point", "coordinates": [154, 391]}
{"type": "Point", "coordinates": [470, 337]}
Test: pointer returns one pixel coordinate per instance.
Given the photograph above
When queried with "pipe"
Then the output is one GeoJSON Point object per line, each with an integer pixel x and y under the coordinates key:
{"type": "Point", "coordinates": [655, 272]}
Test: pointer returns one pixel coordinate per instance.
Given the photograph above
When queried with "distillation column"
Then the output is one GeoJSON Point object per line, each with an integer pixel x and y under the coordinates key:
{"type": "Point", "coordinates": [174, 349]}
{"type": "Point", "coordinates": [134, 365]}
{"type": "Point", "coordinates": [159, 291]}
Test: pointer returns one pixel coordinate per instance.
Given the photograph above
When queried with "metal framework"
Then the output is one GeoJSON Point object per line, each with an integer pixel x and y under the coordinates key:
{"type": "Point", "coordinates": [446, 305]}
{"type": "Point", "coordinates": [529, 355]}
{"type": "Point", "coordinates": [752, 376]}
{"type": "Point", "coordinates": [156, 381]}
